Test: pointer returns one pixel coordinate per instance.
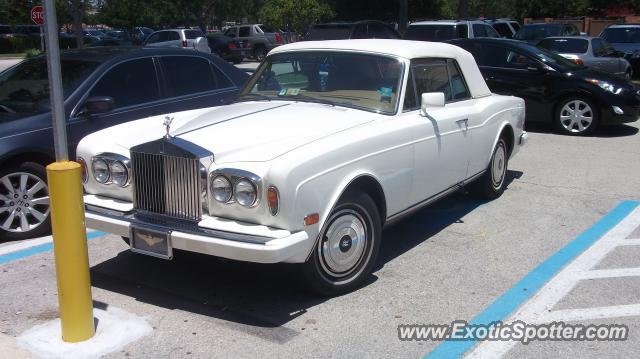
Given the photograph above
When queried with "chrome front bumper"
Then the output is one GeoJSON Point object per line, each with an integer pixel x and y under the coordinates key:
{"type": "Point", "coordinates": [248, 242]}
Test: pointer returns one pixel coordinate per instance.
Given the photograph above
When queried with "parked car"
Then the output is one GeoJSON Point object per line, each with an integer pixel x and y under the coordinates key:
{"type": "Point", "coordinates": [328, 142]}
{"type": "Point", "coordinates": [260, 38]}
{"type": "Point", "coordinates": [102, 87]}
{"type": "Point", "coordinates": [228, 48]}
{"type": "Point", "coordinates": [625, 38]}
{"type": "Point", "coordinates": [29, 31]}
{"type": "Point", "coordinates": [593, 52]}
{"type": "Point", "coordinates": [94, 41]}
{"type": "Point", "coordinates": [121, 36]}
{"type": "Point", "coordinates": [6, 31]}
{"type": "Point", "coordinates": [369, 29]}
{"type": "Point", "coordinates": [573, 97]}
{"type": "Point", "coordinates": [180, 38]}
{"type": "Point", "coordinates": [443, 30]}
{"type": "Point", "coordinates": [505, 27]}
{"type": "Point", "coordinates": [534, 33]}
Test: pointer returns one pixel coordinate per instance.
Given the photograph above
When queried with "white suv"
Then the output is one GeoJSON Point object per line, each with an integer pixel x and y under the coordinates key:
{"type": "Point", "coordinates": [182, 38]}
{"type": "Point", "coordinates": [443, 30]}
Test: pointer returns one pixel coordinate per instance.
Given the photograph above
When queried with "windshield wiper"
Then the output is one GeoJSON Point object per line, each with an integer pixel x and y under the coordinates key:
{"type": "Point", "coordinates": [304, 98]}
{"type": "Point", "coordinates": [251, 97]}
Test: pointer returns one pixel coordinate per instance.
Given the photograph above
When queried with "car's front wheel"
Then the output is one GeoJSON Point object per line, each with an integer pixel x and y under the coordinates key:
{"type": "Point", "coordinates": [576, 116]}
{"type": "Point", "coordinates": [347, 247]}
{"type": "Point", "coordinates": [24, 202]}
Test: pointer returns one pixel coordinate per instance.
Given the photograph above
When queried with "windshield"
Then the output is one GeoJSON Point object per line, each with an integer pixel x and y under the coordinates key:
{"type": "Point", "coordinates": [533, 32]}
{"type": "Point", "coordinates": [565, 46]}
{"type": "Point", "coordinates": [367, 82]}
{"type": "Point", "coordinates": [24, 88]}
{"type": "Point", "coordinates": [622, 34]}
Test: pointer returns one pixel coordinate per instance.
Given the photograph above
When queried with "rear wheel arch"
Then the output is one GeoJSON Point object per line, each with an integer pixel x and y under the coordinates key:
{"type": "Point", "coordinates": [19, 158]}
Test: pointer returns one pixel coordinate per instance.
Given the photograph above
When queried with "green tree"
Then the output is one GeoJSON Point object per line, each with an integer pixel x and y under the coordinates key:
{"type": "Point", "coordinates": [294, 15]}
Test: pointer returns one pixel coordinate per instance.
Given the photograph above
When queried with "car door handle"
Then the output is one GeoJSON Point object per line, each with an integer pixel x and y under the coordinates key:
{"type": "Point", "coordinates": [464, 121]}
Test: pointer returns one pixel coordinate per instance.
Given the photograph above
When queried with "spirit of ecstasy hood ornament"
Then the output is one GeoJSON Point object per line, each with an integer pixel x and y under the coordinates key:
{"type": "Point", "coordinates": [167, 125]}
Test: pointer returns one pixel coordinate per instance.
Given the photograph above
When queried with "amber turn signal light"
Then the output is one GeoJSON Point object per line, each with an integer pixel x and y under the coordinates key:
{"type": "Point", "coordinates": [311, 219]}
{"type": "Point", "coordinates": [273, 199]}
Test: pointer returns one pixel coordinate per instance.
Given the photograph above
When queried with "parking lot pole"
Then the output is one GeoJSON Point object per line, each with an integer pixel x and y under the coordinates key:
{"type": "Point", "coordinates": [404, 17]}
{"type": "Point", "coordinates": [67, 207]}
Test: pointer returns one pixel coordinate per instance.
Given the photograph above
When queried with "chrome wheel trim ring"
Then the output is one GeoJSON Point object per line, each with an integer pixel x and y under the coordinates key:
{"type": "Point", "coordinates": [24, 202]}
{"type": "Point", "coordinates": [499, 165]}
{"type": "Point", "coordinates": [576, 116]}
{"type": "Point", "coordinates": [344, 243]}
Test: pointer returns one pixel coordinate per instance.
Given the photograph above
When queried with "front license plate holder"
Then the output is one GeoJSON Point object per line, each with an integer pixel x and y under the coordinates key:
{"type": "Point", "coordinates": [152, 242]}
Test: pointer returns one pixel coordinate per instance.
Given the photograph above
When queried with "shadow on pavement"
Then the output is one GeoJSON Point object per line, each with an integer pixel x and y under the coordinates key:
{"type": "Point", "coordinates": [256, 295]}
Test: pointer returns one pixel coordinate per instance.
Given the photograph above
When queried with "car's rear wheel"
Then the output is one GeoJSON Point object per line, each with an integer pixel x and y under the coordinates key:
{"type": "Point", "coordinates": [347, 247]}
{"type": "Point", "coordinates": [24, 202]}
{"type": "Point", "coordinates": [493, 182]}
{"type": "Point", "coordinates": [576, 116]}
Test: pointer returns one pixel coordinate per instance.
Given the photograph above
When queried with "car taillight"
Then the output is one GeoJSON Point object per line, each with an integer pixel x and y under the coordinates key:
{"type": "Point", "coordinates": [232, 45]}
{"type": "Point", "coordinates": [278, 38]}
{"type": "Point", "coordinates": [184, 43]}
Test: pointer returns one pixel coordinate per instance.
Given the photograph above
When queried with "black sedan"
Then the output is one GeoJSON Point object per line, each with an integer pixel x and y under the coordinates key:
{"type": "Point", "coordinates": [102, 87]}
{"type": "Point", "coordinates": [575, 98]}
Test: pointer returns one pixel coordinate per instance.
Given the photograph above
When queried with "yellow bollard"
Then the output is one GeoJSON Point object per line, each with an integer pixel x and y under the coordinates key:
{"type": "Point", "coordinates": [70, 249]}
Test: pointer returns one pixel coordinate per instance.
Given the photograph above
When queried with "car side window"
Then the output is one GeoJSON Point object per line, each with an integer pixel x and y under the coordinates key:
{"type": "Point", "coordinates": [129, 83]}
{"type": "Point", "coordinates": [154, 38]}
{"type": "Point", "coordinates": [598, 48]}
{"type": "Point", "coordinates": [491, 32]}
{"type": "Point", "coordinates": [502, 57]}
{"type": "Point", "coordinates": [379, 31]}
{"type": "Point", "coordinates": [503, 29]}
{"type": "Point", "coordinates": [463, 31]}
{"type": "Point", "coordinates": [410, 96]}
{"type": "Point", "coordinates": [172, 36]}
{"type": "Point", "coordinates": [459, 90]}
{"type": "Point", "coordinates": [245, 31]}
{"type": "Point", "coordinates": [479, 31]}
{"type": "Point", "coordinates": [231, 32]}
{"type": "Point", "coordinates": [431, 75]}
{"type": "Point", "coordinates": [360, 32]}
{"type": "Point", "coordinates": [188, 75]}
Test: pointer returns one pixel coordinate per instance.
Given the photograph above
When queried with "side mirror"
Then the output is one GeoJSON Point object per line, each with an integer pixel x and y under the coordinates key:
{"type": "Point", "coordinates": [98, 104]}
{"type": "Point", "coordinates": [431, 99]}
{"type": "Point", "coordinates": [534, 67]}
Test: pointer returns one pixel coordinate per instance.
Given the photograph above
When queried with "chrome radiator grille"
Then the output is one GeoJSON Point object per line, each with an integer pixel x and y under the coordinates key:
{"type": "Point", "coordinates": [167, 185]}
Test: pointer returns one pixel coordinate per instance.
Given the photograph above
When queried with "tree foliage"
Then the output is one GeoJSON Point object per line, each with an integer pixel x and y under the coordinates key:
{"type": "Point", "coordinates": [295, 15]}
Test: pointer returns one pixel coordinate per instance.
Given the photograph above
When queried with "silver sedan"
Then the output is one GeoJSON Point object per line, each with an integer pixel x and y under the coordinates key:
{"type": "Point", "coordinates": [593, 52]}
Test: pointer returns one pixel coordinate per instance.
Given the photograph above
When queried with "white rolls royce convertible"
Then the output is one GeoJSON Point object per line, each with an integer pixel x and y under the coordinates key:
{"type": "Point", "coordinates": [328, 142]}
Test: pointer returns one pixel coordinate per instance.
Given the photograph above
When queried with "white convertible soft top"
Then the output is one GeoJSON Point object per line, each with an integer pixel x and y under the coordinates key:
{"type": "Point", "coordinates": [403, 48]}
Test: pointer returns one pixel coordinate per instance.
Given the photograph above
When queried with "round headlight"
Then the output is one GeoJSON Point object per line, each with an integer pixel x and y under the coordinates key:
{"type": "Point", "coordinates": [100, 170]}
{"type": "Point", "coordinates": [245, 193]}
{"type": "Point", "coordinates": [119, 173]}
{"type": "Point", "coordinates": [221, 189]}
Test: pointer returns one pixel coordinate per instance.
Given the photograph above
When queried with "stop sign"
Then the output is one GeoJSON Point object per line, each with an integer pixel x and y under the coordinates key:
{"type": "Point", "coordinates": [37, 15]}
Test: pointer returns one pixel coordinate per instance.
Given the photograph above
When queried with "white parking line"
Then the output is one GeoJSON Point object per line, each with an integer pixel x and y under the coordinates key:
{"type": "Point", "coordinates": [538, 309]}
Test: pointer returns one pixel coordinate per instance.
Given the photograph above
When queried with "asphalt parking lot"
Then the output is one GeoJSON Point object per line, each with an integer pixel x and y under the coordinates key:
{"type": "Point", "coordinates": [447, 262]}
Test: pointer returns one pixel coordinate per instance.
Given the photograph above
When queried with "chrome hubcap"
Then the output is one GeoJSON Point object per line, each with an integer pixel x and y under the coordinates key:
{"type": "Point", "coordinates": [498, 167]}
{"type": "Point", "coordinates": [343, 244]}
{"type": "Point", "coordinates": [24, 202]}
{"type": "Point", "coordinates": [576, 116]}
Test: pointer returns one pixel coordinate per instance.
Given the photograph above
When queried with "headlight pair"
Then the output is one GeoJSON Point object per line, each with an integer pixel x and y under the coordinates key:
{"type": "Point", "coordinates": [110, 170]}
{"type": "Point", "coordinates": [244, 190]}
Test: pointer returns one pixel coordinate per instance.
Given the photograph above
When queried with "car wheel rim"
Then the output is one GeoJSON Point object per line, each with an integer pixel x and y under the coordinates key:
{"type": "Point", "coordinates": [498, 166]}
{"type": "Point", "coordinates": [344, 243]}
{"type": "Point", "coordinates": [576, 116]}
{"type": "Point", "coordinates": [24, 202]}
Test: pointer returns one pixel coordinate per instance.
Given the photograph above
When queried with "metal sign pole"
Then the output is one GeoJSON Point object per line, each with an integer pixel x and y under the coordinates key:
{"type": "Point", "coordinates": [55, 81]}
{"type": "Point", "coordinates": [67, 207]}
